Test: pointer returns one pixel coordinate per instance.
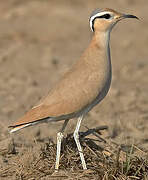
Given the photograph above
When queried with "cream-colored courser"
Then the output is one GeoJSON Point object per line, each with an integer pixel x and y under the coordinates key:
{"type": "Point", "coordinates": [83, 86]}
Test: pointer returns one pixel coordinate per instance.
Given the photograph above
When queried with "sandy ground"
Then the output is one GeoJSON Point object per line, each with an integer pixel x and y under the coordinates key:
{"type": "Point", "coordinates": [41, 39]}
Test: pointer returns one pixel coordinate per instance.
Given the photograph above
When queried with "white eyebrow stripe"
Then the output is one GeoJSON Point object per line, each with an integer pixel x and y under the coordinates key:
{"type": "Point", "coordinates": [96, 15]}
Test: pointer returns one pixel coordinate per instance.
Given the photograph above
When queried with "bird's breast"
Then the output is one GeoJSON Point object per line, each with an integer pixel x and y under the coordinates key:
{"type": "Point", "coordinates": [99, 78]}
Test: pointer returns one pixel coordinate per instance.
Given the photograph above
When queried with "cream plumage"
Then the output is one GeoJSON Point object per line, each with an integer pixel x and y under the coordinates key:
{"type": "Point", "coordinates": [83, 86]}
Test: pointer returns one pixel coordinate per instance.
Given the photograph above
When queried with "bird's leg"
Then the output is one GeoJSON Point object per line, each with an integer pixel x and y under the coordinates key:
{"type": "Point", "coordinates": [59, 140]}
{"type": "Point", "coordinates": [76, 138]}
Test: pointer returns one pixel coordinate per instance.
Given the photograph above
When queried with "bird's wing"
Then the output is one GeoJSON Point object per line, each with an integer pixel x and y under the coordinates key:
{"type": "Point", "coordinates": [41, 112]}
{"type": "Point", "coordinates": [71, 94]}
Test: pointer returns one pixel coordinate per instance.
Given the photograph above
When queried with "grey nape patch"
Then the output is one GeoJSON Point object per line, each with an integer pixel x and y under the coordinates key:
{"type": "Point", "coordinates": [95, 12]}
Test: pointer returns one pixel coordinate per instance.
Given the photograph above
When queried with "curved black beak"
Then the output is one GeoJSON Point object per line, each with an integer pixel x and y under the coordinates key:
{"type": "Point", "coordinates": [130, 16]}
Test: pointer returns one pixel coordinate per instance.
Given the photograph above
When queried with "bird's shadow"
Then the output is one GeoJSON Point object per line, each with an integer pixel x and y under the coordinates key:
{"type": "Point", "coordinates": [68, 141]}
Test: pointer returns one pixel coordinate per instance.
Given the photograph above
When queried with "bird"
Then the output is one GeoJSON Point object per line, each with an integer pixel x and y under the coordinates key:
{"type": "Point", "coordinates": [82, 87]}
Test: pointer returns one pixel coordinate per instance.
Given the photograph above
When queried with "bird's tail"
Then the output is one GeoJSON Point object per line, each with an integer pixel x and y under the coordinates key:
{"type": "Point", "coordinates": [18, 127]}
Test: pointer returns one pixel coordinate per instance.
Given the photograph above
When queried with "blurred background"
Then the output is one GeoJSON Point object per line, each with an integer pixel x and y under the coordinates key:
{"type": "Point", "coordinates": [41, 39]}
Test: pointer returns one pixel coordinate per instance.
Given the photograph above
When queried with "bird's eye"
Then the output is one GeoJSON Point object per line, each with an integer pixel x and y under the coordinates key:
{"type": "Point", "coordinates": [105, 16]}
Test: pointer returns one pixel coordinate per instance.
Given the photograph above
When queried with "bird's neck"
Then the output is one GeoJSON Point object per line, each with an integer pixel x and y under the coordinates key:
{"type": "Point", "coordinates": [101, 49]}
{"type": "Point", "coordinates": [101, 43]}
{"type": "Point", "coordinates": [102, 39]}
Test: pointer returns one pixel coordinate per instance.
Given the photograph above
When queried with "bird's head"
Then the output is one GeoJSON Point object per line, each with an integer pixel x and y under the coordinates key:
{"type": "Point", "coordinates": [104, 19]}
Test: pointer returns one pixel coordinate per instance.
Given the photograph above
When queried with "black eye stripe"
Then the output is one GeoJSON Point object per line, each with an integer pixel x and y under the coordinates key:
{"type": "Point", "coordinates": [93, 23]}
{"type": "Point", "coordinates": [105, 16]}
